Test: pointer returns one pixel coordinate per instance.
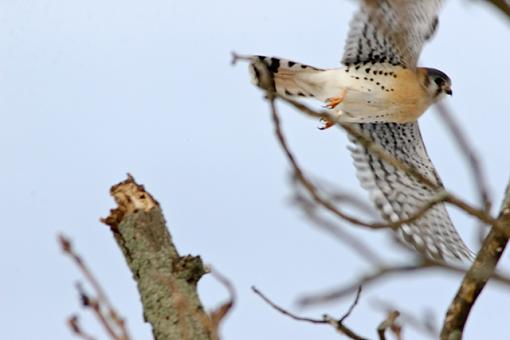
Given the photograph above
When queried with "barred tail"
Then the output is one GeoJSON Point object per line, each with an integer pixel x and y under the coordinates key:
{"type": "Point", "coordinates": [295, 79]}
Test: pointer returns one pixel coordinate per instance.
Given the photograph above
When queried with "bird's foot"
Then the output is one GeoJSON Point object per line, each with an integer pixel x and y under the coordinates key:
{"type": "Point", "coordinates": [326, 123]}
{"type": "Point", "coordinates": [333, 102]}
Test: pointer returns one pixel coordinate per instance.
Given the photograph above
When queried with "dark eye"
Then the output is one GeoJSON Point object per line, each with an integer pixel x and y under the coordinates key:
{"type": "Point", "coordinates": [439, 81]}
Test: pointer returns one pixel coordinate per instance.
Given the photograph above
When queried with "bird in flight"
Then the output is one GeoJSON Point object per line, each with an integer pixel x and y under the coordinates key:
{"type": "Point", "coordinates": [381, 91]}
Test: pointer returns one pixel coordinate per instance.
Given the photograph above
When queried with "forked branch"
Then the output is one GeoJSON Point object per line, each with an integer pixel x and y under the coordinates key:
{"type": "Point", "coordinates": [338, 324]}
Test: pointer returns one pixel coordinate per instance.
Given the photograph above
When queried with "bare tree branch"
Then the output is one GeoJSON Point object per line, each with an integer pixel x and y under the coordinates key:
{"type": "Point", "coordinates": [284, 311]}
{"type": "Point", "coordinates": [167, 282]}
{"type": "Point", "coordinates": [219, 314]}
{"type": "Point", "coordinates": [100, 306]}
{"type": "Point", "coordinates": [502, 5]}
{"type": "Point", "coordinates": [382, 272]}
{"type": "Point", "coordinates": [364, 281]}
{"type": "Point", "coordinates": [424, 323]}
{"type": "Point", "coordinates": [74, 324]}
{"type": "Point", "coordinates": [391, 323]}
{"type": "Point", "coordinates": [109, 324]}
{"type": "Point", "coordinates": [327, 320]}
{"type": "Point", "coordinates": [352, 306]}
{"type": "Point", "coordinates": [477, 276]}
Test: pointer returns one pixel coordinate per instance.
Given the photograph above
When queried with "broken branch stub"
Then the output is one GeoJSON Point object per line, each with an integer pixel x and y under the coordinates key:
{"type": "Point", "coordinates": [167, 282]}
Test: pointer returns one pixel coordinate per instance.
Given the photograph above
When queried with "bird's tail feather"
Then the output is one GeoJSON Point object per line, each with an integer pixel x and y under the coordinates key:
{"type": "Point", "coordinates": [294, 79]}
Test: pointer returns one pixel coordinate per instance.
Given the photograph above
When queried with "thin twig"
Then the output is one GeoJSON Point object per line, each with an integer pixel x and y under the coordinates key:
{"type": "Point", "coordinates": [389, 322]}
{"type": "Point", "coordinates": [109, 319]}
{"type": "Point", "coordinates": [66, 246]}
{"type": "Point", "coordinates": [424, 323]}
{"type": "Point", "coordinates": [326, 320]}
{"type": "Point", "coordinates": [364, 281]}
{"type": "Point", "coordinates": [353, 304]}
{"type": "Point", "coordinates": [219, 314]}
{"type": "Point", "coordinates": [383, 272]}
{"type": "Point", "coordinates": [74, 324]}
{"type": "Point", "coordinates": [283, 310]}
{"type": "Point", "coordinates": [341, 328]}
{"type": "Point", "coordinates": [95, 305]}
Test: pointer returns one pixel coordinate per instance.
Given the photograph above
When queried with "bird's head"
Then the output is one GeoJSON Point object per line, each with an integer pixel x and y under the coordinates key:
{"type": "Point", "coordinates": [436, 83]}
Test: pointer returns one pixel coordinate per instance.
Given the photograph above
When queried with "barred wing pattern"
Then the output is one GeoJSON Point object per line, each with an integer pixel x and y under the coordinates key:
{"type": "Point", "coordinates": [398, 195]}
{"type": "Point", "coordinates": [391, 31]}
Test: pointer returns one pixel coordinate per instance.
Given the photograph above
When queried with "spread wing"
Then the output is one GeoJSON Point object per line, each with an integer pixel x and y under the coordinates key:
{"type": "Point", "coordinates": [398, 195]}
{"type": "Point", "coordinates": [391, 30]}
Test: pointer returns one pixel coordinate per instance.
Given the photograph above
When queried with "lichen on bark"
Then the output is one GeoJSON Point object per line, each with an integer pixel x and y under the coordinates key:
{"type": "Point", "coordinates": [167, 282]}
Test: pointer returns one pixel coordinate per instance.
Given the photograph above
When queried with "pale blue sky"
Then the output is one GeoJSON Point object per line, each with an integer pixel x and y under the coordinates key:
{"type": "Point", "coordinates": [90, 90]}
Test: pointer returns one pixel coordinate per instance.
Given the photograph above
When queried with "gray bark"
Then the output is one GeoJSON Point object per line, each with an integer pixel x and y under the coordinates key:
{"type": "Point", "coordinates": [167, 282]}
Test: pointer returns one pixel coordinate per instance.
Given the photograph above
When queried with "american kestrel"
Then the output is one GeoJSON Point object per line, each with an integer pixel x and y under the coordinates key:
{"type": "Point", "coordinates": [381, 90]}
